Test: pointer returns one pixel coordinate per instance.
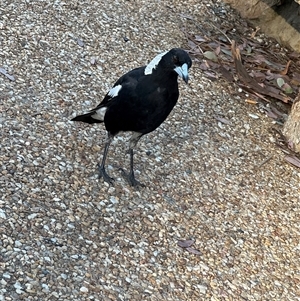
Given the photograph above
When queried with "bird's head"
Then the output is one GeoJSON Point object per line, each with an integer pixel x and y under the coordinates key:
{"type": "Point", "coordinates": [181, 62]}
{"type": "Point", "coordinates": [176, 60]}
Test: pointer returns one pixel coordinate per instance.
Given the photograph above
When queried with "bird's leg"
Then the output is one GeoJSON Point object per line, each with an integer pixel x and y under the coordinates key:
{"type": "Point", "coordinates": [130, 177]}
{"type": "Point", "coordinates": [101, 167]}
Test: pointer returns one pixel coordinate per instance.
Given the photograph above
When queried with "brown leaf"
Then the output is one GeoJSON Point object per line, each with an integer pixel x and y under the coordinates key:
{"type": "Point", "coordinates": [277, 112]}
{"type": "Point", "coordinates": [261, 60]}
{"type": "Point", "coordinates": [248, 89]}
{"type": "Point", "coordinates": [259, 76]}
{"type": "Point", "coordinates": [217, 51]}
{"type": "Point", "coordinates": [211, 75]}
{"type": "Point", "coordinates": [194, 251]}
{"type": "Point", "coordinates": [292, 160]}
{"type": "Point", "coordinates": [185, 243]}
{"type": "Point", "coordinates": [213, 44]}
{"type": "Point", "coordinates": [296, 79]}
{"type": "Point", "coordinates": [192, 44]}
{"type": "Point", "coordinates": [271, 114]}
{"type": "Point", "coordinates": [248, 80]}
{"type": "Point", "coordinates": [228, 76]}
{"type": "Point", "coordinates": [204, 66]}
{"type": "Point", "coordinates": [244, 45]}
{"type": "Point", "coordinates": [213, 65]}
{"type": "Point", "coordinates": [255, 32]}
{"type": "Point", "coordinates": [295, 82]}
{"type": "Point", "coordinates": [294, 55]}
{"type": "Point", "coordinates": [270, 76]}
{"type": "Point", "coordinates": [286, 69]}
{"type": "Point", "coordinates": [273, 90]}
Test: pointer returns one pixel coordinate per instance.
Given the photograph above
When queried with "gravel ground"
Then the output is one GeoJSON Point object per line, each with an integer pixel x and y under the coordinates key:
{"type": "Point", "coordinates": [66, 235]}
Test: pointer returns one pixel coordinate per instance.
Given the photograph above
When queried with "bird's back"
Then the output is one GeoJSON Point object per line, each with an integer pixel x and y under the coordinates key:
{"type": "Point", "coordinates": [143, 102]}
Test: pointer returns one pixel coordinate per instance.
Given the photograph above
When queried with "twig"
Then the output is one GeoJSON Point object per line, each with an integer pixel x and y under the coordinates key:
{"type": "Point", "coordinates": [264, 161]}
{"type": "Point", "coordinates": [221, 31]}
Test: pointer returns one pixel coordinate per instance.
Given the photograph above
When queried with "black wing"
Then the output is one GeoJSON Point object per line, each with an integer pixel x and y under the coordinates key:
{"type": "Point", "coordinates": [127, 81]}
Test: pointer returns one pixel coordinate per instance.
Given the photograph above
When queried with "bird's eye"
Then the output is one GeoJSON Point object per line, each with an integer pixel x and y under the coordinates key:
{"type": "Point", "coordinates": [175, 60]}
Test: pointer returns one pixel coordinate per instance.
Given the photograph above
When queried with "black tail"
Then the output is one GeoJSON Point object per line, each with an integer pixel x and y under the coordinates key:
{"type": "Point", "coordinates": [87, 118]}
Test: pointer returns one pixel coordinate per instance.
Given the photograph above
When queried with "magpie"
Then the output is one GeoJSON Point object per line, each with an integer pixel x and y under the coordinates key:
{"type": "Point", "coordinates": [139, 102]}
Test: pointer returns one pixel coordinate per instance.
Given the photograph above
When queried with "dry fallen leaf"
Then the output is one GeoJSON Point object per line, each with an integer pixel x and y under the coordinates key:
{"type": "Point", "coordinates": [4, 72]}
{"type": "Point", "coordinates": [251, 101]}
{"type": "Point", "coordinates": [185, 243]}
{"type": "Point", "coordinates": [293, 160]}
{"type": "Point", "coordinates": [204, 65]}
{"type": "Point", "coordinates": [277, 112]}
{"type": "Point", "coordinates": [280, 82]}
{"type": "Point", "coordinates": [286, 69]}
{"type": "Point", "coordinates": [218, 50]}
{"type": "Point", "coordinates": [226, 73]}
{"type": "Point", "coordinates": [255, 32]}
{"type": "Point", "coordinates": [259, 76]}
{"type": "Point", "coordinates": [211, 75]}
{"type": "Point", "coordinates": [254, 116]}
{"type": "Point", "coordinates": [193, 251]}
{"type": "Point", "coordinates": [199, 38]}
{"type": "Point", "coordinates": [259, 70]}
{"type": "Point", "coordinates": [271, 114]}
{"type": "Point", "coordinates": [223, 120]}
{"type": "Point", "coordinates": [210, 55]}
{"type": "Point", "coordinates": [287, 88]}
{"type": "Point", "coordinates": [251, 82]}
{"type": "Point", "coordinates": [227, 52]}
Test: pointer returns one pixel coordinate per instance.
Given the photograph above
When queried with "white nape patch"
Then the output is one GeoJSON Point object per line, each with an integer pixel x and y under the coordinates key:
{"type": "Point", "coordinates": [100, 113]}
{"type": "Point", "coordinates": [152, 65]}
{"type": "Point", "coordinates": [113, 92]}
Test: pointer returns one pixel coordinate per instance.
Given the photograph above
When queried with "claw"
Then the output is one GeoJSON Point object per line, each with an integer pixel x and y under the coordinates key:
{"type": "Point", "coordinates": [103, 174]}
{"type": "Point", "coordinates": [131, 179]}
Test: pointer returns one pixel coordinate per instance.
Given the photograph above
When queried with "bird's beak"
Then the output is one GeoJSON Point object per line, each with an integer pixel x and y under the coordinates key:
{"type": "Point", "coordinates": [182, 71]}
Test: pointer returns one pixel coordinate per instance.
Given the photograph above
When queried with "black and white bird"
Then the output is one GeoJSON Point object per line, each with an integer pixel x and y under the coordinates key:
{"type": "Point", "coordinates": [139, 102]}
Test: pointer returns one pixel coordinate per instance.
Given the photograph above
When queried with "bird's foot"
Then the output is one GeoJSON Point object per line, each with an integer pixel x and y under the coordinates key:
{"type": "Point", "coordinates": [103, 174]}
{"type": "Point", "coordinates": [131, 179]}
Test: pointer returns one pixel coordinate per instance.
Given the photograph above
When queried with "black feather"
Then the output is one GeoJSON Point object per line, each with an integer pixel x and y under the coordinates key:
{"type": "Point", "coordinates": [86, 118]}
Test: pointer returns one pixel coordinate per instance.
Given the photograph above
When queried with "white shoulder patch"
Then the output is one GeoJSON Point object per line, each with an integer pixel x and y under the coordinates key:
{"type": "Point", "coordinates": [152, 65]}
{"type": "Point", "coordinates": [113, 92]}
{"type": "Point", "coordinates": [99, 114]}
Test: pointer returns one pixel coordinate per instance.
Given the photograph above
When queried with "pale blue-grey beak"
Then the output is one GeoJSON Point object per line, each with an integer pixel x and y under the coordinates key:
{"type": "Point", "coordinates": [182, 71]}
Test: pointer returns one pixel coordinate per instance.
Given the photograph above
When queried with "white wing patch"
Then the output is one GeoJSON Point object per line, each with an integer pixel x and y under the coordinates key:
{"type": "Point", "coordinates": [153, 64]}
{"type": "Point", "coordinates": [113, 92]}
{"type": "Point", "coordinates": [99, 114]}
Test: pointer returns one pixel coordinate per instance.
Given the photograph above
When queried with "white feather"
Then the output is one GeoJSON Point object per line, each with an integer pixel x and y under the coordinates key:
{"type": "Point", "coordinates": [113, 92]}
{"type": "Point", "coordinates": [153, 64]}
{"type": "Point", "coordinates": [100, 113]}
